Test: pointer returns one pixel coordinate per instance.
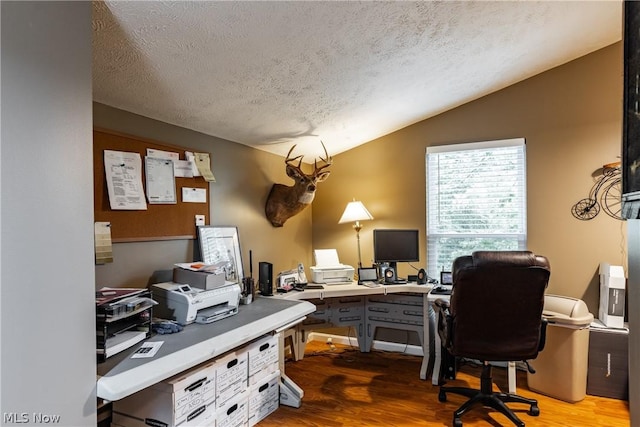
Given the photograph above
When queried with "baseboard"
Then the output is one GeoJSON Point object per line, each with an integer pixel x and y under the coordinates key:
{"type": "Point", "coordinates": [409, 349]}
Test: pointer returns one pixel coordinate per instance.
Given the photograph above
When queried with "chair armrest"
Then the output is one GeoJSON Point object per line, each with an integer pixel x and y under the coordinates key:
{"type": "Point", "coordinates": [443, 321]}
{"type": "Point", "coordinates": [543, 334]}
{"type": "Point", "coordinates": [442, 304]}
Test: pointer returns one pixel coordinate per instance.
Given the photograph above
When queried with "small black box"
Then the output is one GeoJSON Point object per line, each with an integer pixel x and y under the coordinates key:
{"type": "Point", "coordinates": [265, 278]}
{"type": "Point", "coordinates": [608, 373]}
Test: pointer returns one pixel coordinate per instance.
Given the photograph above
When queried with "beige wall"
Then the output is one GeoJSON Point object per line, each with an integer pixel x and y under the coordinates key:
{"type": "Point", "coordinates": [571, 118]}
{"type": "Point", "coordinates": [244, 177]}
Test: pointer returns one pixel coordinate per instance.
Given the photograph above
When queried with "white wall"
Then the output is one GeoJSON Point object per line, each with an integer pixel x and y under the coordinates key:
{"type": "Point", "coordinates": [47, 315]}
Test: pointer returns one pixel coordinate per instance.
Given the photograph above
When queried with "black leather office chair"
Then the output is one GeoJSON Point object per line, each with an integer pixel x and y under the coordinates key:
{"type": "Point", "coordinates": [494, 314]}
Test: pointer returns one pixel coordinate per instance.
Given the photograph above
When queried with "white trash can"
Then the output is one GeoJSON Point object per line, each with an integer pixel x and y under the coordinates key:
{"type": "Point", "coordinates": [561, 367]}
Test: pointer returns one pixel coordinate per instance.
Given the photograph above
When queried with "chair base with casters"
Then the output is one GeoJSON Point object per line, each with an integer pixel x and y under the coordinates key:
{"type": "Point", "coordinates": [487, 397]}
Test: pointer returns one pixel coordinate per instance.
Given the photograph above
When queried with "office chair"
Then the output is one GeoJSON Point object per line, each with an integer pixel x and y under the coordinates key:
{"type": "Point", "coordinates": [494, 314]}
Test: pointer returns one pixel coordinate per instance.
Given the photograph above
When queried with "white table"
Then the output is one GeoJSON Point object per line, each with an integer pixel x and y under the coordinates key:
{"type": "Point", "coordinates": [392, 306]}
{"type": "Point", "coordinates": [121, 376]}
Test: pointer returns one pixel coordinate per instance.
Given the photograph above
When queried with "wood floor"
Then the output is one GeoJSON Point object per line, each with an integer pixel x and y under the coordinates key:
{"type": "Point", "coordinates": [344, 387]}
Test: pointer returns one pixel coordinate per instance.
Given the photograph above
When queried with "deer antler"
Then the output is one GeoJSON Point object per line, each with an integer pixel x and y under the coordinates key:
{"type": "Point", "coordinates": [327, 159]}
{"type": "Point", "coordinates": [288, 160]}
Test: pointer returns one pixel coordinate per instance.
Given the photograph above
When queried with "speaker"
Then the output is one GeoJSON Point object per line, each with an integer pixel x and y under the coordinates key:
{"type": "Point", "coordinates": [265, 278]}
{"type": "Point", "coordinates": [389, 274]}
{"type": "Point", "coordinates": [422, 277]}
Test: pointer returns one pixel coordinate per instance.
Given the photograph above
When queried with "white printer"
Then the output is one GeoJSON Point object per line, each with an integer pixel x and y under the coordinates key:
{"type": "Point", "coordinates": [328, 269]}
{"type": "Point", "coordinates": [185, 305]}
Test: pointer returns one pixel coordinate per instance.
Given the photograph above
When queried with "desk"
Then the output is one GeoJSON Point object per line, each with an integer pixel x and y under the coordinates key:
{"type": "Point", "coordinates": [393, 306]}
{"type": "Point", "coordinates": [121, 376]}
{"type": "Point", "coordinates": [437, 344]}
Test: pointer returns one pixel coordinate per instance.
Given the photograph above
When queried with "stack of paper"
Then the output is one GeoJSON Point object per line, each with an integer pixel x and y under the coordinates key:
{"type": "Point", "coordinates": [122, 341]}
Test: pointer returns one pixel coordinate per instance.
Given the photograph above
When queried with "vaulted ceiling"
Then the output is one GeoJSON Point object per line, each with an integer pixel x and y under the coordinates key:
{"type": "Point", "coordinates": [270, 74]}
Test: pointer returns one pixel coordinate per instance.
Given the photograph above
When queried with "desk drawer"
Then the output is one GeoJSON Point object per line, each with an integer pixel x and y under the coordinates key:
{"type": "Point", "coordinates": [408, 299]}
{"type": "Point", "coordinates": [339, 311]}
{"type": "Point", "coordinates": [347, 311]}
{"type": "Point", "coordinates": [405, 309]}
{"type": "Point", "coordinates": [322, 314]}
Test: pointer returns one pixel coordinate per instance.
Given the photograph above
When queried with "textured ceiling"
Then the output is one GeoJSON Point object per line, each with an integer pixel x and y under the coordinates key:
{"type": "Point", "coordinates": [271, 74]}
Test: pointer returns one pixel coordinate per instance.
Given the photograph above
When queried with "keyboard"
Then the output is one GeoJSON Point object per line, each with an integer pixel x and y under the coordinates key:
{"type": "Point", "coordinates": [441, 290]}
{"type": "Point", "coordinates": [396, 282]}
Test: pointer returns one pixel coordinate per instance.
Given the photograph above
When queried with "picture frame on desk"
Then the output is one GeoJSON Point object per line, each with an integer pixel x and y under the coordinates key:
{"type": "Point", "coordinates": [221, 246]}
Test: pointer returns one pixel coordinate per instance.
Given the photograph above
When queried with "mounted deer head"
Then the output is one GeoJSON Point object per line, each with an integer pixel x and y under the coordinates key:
{"type": "Point", "coordinates": [284, 202]}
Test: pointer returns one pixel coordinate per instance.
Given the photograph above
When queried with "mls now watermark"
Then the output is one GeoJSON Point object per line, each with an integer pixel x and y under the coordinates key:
{"type": "Point", "coordinates": [29, 418]}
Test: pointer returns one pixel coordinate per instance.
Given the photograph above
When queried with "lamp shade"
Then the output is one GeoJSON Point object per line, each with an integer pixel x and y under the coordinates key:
{"type": "Point", "coordinates": [355, 211]}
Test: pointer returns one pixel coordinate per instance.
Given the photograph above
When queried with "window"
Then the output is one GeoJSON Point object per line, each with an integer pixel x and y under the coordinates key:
{"type": "Point", "coordinates": [476, 200]}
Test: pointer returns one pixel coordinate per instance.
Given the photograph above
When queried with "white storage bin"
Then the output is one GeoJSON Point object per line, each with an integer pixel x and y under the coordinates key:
{"type": "Point", "coordinates": [264, 398]}
{"type": "Point", "coordinates": [231, 368]}
{"type": "Point", "coordinates": [231, 375]}
{"type": "Point", "coordinates": [173, 400]}
{"type": "Point", "coordinates": [202, 417]}
{"type": "Point", "coordinates": [235, 412]}
{"type": "Point", "coordinates": [263, 358]}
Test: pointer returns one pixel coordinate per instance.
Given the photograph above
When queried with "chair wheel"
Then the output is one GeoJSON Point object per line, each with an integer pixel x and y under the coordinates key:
{"type": "Point", "coordinates": [534, 411]}
{"type": "Point", "coordinates": [442, 396]}
{"type": "Point", "coordinates": [457, 422]}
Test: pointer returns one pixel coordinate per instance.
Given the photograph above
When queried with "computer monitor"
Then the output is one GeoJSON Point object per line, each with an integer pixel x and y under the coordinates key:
{"type": "Point", "coordinates": [395, 246]}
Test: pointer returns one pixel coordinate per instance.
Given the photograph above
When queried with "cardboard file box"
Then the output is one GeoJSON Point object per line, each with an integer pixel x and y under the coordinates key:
{"type": "Point", "coordinates": [205, 417]}
{"type": "Point", "coordinates": [264, 398]}
{"type": "Point", "coordinates": [235, 413]}
{"type": "Point", "coordinates": [612, 295]}
{"type": "Point", "coordinates": [233, 389]}
{"type": "Point", "coordinates": [231, 376]}
{"type": "Point", "coordinates": [263, 358]}
{"type": "Point", "coordinates": [608, 374]}
{"type": "Point", "coordinates": [181, 400]}
{"type": "Point", "coordinates": [198, 279]}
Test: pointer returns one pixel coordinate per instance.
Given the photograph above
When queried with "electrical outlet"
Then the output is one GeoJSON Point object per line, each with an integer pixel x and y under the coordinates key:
{"type": "Point", "coordinates": [199, 220]}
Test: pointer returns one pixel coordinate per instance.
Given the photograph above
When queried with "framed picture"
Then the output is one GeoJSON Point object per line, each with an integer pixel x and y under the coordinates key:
{"type": "Point", "coordinates": [220, 246]}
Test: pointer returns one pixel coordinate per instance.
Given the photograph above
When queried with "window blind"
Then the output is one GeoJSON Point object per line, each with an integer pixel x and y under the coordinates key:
{"type": "Point", "coordinates": [476, 200]}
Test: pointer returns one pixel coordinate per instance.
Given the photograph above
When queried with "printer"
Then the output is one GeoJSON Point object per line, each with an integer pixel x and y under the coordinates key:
{"type": "Point", "coordinates": [185, 305]}
{"type": "Point", "coordinates": [328, 269]}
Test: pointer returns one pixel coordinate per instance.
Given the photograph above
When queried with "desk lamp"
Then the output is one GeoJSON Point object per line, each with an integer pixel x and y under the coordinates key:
{"type": "Point", "coordinates": [355, 211]}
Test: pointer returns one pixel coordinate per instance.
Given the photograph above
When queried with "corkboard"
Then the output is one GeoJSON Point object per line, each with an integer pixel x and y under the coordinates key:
{"type": "Point", "coordinates": [159, 221]}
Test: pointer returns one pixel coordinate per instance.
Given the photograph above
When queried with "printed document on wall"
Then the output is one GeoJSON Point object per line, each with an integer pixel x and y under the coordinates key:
{"type": "Point", "coordinates": [161, 183]}
{"type": "Point", "coordinates": [181, 168]}
{"type": "Point", "coordinates": [123, 171]}
{"type": "Point", "coordinates": [203, 163]}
